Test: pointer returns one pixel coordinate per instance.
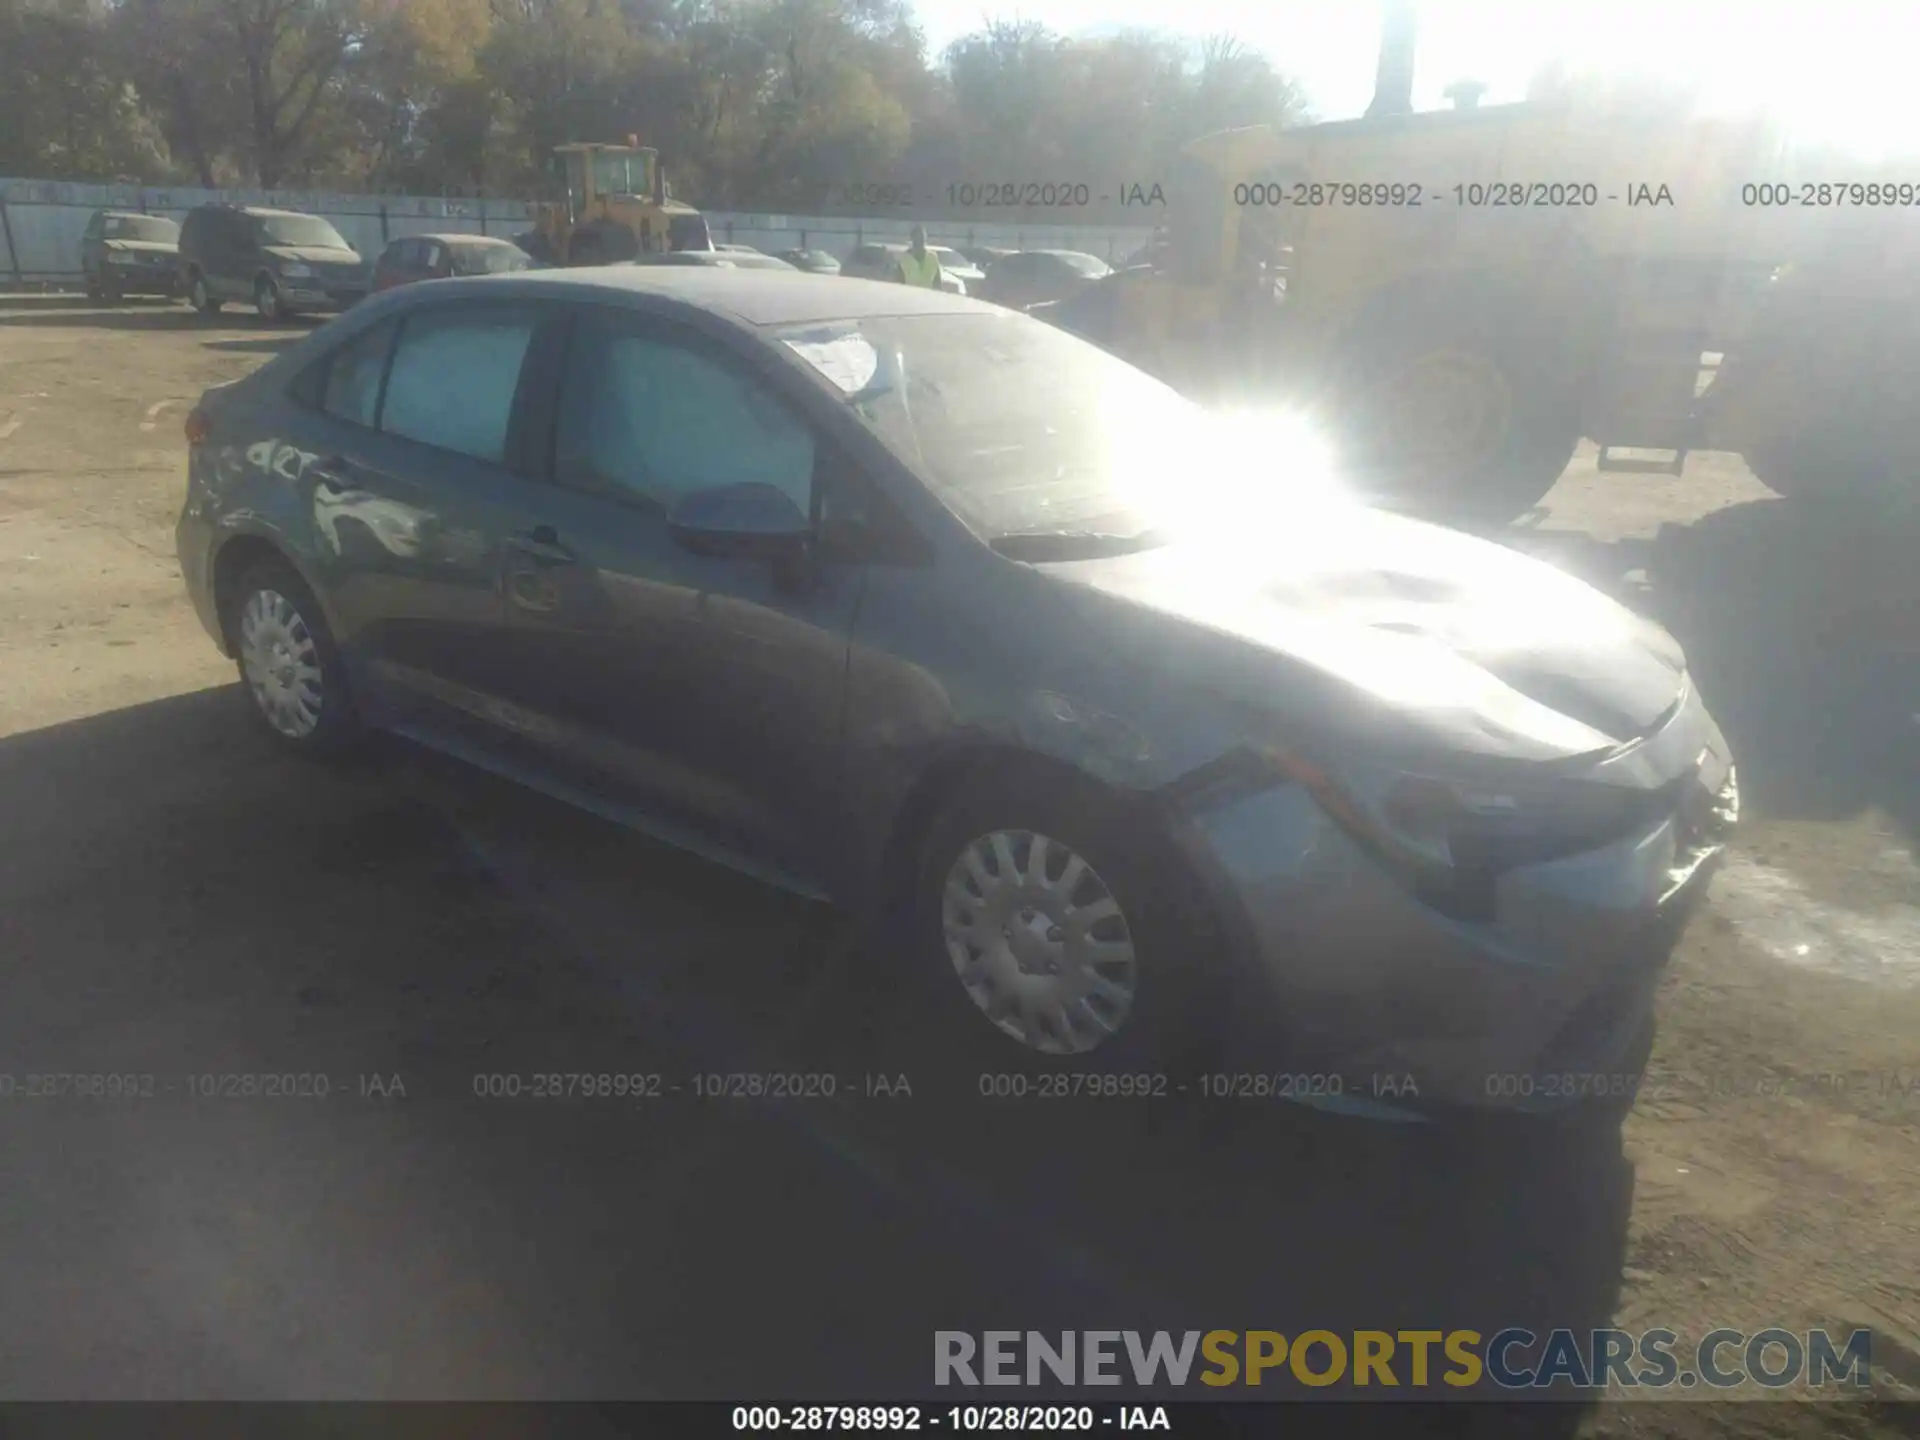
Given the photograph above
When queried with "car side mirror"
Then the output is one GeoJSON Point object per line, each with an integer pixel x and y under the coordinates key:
{"type": "Point", "coordinates": [749, 521]}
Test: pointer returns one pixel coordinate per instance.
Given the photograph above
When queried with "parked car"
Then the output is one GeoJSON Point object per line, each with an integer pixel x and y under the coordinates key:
{"type": "Point", "coordinates": [983, 256]}
{"type": "Point", "coordinates": [956, 265]}
{"type": "Point", "coordinates": [439, 257]}
{"type": "Point", "coordinates": [919, 605]}
{"type": "Point", "coordinates": [817, 262]}
{"type": "Point", "coordinates": [713, 260]}
{"type": "Point", "coordinates": [881, 261]}
{"type": "Point", "coordinates": [284, 262]}
{"type": "Point", "coordinates": [1033, 277]}
{"type": "Point", "coordinates": [126, 253]}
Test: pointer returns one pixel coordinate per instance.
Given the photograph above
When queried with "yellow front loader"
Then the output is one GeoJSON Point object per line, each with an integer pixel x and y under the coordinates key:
{"type": "Point", "coordinates": [1460, 296]}
{"type": "Point", "coordinates": [617, 206]}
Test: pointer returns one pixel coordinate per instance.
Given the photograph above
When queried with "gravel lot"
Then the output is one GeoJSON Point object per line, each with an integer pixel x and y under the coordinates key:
{"type": "Point", "coordinates": [177, 901]}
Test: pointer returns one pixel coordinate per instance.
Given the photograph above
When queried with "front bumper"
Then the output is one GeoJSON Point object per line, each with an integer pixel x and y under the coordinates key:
{"type": "Point", "coordinates": [1371, 999]}
{"type": "Point", "coordinates": [320, 295]}
{"type": "Point", "coordinates": [155, 279]}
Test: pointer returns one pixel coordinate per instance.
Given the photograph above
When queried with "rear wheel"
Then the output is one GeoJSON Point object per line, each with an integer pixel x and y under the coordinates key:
{"type": "Point", "coordinates": [1798, 469]}
{"type": "Point", "coordinates": [287, 660]}
{"type": "Point", "coordinates": [200, 297]}
{"type": "Point", "coordinates": [1459, 412]}
{"type": "Point", "coordinates": [1857, 463]}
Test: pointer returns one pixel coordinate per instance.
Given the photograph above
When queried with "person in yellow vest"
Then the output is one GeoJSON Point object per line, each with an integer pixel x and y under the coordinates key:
{"type": "Point", "coordinates": [918, 265]}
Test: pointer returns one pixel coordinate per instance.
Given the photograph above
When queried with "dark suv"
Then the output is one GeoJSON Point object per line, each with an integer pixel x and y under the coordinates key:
{"type": "Point", "coordinates": [285, 262]}
{"type": "Point", "coordinates": [126, 253]}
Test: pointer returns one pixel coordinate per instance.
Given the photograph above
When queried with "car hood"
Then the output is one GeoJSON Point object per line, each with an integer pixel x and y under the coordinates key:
{"type": "Point", "coordinates": [1417, 636]}
{"type": "Point", "coordinates": [144, 247]}
{"type": "Point", "coordinates": [315, 254]}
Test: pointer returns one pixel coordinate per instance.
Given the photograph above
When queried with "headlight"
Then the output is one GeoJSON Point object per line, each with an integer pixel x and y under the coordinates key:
{"type": "Point", "coordinates": [294, 270]}
{"type": "Point", "coordinates": [1448, 824]}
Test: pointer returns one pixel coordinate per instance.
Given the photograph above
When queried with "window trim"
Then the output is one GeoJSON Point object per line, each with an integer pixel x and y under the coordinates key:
{"type": "Point", "coordinates": [308, 389]}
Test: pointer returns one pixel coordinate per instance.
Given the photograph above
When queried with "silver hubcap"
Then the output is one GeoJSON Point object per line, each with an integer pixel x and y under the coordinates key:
{"type": "Point", "coordinates": [281, 663]}
{"type": "Point", "coordinates": [267, 300]}
{"type": "Point", "coordinates": [199, 291]}
{"type": "Point", "coordinates": [1039, 942]}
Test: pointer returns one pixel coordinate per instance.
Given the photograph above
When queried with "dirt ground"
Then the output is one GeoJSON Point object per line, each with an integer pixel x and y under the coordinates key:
{"type": "Point", "coordinates": [175, 900]}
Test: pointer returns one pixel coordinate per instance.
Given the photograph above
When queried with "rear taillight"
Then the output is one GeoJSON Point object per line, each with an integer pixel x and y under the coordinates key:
{"type": "Point", "coordinates": [198, 426]}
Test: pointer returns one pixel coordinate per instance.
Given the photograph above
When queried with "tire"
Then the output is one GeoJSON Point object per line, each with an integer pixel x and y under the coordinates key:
{"type": "Point", "coordinates": [1150, 1014]}
{"type": "Point", "coordinates": [95, 290]}
{"type": "Point", "coordinates": [1501, 371]}
{"type": "Point", "coordinates": [290, 670]}
{"type": "Point", "coordinates": [267, 302]}
{"type": "Point", "coordinates": [200, 297]}
{"type": "Point", "coordinates": [1835, 467]}
{"type": "Point", "coordinates": [586, 249]}
{"type": "Point", "coordinates": [605, 243]}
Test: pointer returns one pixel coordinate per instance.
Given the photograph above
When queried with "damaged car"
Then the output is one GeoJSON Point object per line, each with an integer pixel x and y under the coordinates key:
{"type": "Point", "coordinates": [1141, 750]}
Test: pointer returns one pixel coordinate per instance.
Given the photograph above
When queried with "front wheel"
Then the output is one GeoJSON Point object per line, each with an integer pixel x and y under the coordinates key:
{"type": "Point", "coordinates": [292, 671]}
{"type": "Point", "coordinates": [1448, 414]}
{"type": "Point", "coordinates": [1051, 929]}
{"type": "Point", "coordinates": [267, 300]}
{"type": "Point", "coordinates": [200, 297]}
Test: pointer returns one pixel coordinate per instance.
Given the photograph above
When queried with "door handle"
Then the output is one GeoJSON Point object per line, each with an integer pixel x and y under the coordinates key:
{"type": "Point", "coordinates": [330, 473]}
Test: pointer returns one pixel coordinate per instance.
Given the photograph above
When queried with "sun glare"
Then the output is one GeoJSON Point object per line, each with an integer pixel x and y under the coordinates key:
{"type": "Point", "coordinates": [1833, 74]}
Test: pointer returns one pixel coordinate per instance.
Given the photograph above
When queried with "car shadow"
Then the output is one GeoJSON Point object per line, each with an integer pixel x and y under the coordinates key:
{"type": "Point", "coordinates": [1801, 622]}
{"type": "Point", "coordinates": [181, 902]}
{"type": "Point", "coordinates": [271, 346]}
{"type": "Point", "coordinates": [160, 316]}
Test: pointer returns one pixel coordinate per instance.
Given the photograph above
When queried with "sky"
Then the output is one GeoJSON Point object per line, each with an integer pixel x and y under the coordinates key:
{"type": "Point", "coordinates": [1839, 70]}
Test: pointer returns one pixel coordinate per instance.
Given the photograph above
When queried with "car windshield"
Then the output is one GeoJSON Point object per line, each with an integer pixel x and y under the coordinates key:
{"type": "Point", "coordinates": [949, 259]}
{"type": "Point", "coordinates": [308, 231]}
{"type": "Point", "coordinates": [1089, 265]}
{"type": "Point", "coordinates": [1025, 431]}
{"type": "Point", "coordinates": [150, 228]}
{"type": "Point", "coordinates": [489, 259]}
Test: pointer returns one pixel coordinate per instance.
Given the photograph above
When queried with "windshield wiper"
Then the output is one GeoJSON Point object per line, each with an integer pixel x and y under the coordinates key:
{"type": "Point", "coordinates": [1041, 546]}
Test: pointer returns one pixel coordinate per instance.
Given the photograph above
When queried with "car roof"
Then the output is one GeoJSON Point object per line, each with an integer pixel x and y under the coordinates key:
{"type": "Point", "coordinates": [749, 298]}
{"type": "Point", "coordinates": [457, 237]}
{"type": "Point", "coordinates": [131, 215]}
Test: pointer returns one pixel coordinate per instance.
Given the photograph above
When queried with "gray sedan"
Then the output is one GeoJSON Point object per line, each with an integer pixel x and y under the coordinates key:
{"type": "Point", "coordinates": [1137, 746]}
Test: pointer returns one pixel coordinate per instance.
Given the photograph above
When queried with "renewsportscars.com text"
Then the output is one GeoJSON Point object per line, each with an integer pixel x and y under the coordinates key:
{"type": "Point", "coordinates": [1512, 1359]}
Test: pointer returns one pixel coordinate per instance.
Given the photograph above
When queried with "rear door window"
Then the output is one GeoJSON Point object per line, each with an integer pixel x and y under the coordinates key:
{"type": "Point", "coordinates": [454, 377]}
{"type": "Point", "coordinates": [354, 372]}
